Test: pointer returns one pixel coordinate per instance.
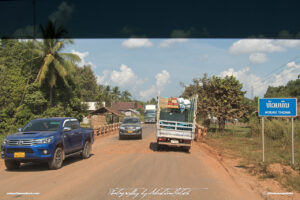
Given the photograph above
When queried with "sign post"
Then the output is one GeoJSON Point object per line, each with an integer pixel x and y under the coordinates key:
{"type": "Point", "coordinates": [277, 107]}
{"type": "Point", "coordinates": [263, 138]}
{"type": "Point", "coordinates": [293, 153]}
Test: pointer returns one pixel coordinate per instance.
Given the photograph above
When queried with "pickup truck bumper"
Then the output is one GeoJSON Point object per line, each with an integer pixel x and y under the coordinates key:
{"type": "Point", "coordinates": [174, 142]}
{"type": "Point", "coordinates": [176, 145]}
{"type": "Point", "coordinates": [27, 153]}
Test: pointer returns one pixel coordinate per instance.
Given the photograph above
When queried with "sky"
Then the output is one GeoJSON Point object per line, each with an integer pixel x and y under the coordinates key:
{"type": "Point", "coordinates": [145, 66]}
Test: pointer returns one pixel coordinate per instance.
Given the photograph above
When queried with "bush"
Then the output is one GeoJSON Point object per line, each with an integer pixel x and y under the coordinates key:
{"type": "Point", "coordinates": [255, 126]}
{"type": "Point", "coordinates": [275, 128]}
{"type": "Point", "coordinates": [278, 129]}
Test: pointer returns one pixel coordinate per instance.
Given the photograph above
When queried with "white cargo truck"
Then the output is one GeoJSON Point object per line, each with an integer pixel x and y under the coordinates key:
{"type": "Point", "coordinates": [176, 120]}
{"type": "Point", "coordinates": [150, 114]}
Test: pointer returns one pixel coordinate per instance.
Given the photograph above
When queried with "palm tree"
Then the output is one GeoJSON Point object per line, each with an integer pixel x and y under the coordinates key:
{"type": "Point", "coordinates": [125, 96]}
{"type": "Point", "coordinates": [116, 93]}
{"type": "Point", "coordinates": [55, 64]}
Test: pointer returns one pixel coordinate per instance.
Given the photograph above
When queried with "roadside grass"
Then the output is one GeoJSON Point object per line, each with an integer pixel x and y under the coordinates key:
{"type": "Point", "coordinates": [236, 141]}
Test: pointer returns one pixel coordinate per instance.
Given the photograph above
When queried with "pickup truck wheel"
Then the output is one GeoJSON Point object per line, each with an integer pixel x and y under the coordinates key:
{"type": "Point", "coordinates": [158, 147]}
{"type": "Point", "coordinates": [186, 149]}
{"type": "Point", "coordinates": [11, 165]}
{"type": "Point", "coordinates": [57, 160]}
{"type": "Point", "coordinates": [86, 150]}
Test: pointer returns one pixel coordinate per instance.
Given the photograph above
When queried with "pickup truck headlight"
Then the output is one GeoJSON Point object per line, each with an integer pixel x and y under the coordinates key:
{"type": "Point", "coordinates": [122, 128]}
{"type": "Point", "coordinates": [138, 128]}
{"type": "Point", "coordinates": [44, 140]}
{"type": "Point", "coordinates": [5, 141]}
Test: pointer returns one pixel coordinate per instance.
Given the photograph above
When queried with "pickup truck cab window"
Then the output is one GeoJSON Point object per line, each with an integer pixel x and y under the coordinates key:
{"type": "Point", "coordinates": [68, 124]}
{"type": "Point", "coordinates": [74, 125]}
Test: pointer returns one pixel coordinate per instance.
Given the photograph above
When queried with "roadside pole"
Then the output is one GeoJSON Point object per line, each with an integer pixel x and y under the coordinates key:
{"type": "Point", "coordinates": [293, 153]}
{"type": "Point", "coordinates": [263, 138]}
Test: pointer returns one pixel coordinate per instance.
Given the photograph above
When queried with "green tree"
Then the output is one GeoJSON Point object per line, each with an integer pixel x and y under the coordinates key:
{"type": "Point", "coordinates": [218, 97]}
{"type": "Point", "coordinates": [115, 94]}
{"type": "Point", "coordinates": [125, 96]}
{"type": "Point", "coordinates": [55, 64]}
{"type": "Point", "coordinates": [152, 101]}
{"type": "Point", "coordinates": [87, 83]}
{"type": "Point", "coordinates": [291, 89]}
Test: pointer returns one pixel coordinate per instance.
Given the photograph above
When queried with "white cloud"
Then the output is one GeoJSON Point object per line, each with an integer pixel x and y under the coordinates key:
{"type": "Point", "coordinates": [148, 93]}
{"type": "Point", "coordinates": [288, 43]}
{"type": "Point", "coordinates": [260, 84]}
{"type": "Point", "coordinates": [102, 80]}
{"type": "Point", "coordinates": [169, 42]}
{"type": "Point", "coordinates": [162, 79]}
{"type": "Point", "coordinates": [290, 72]}
{"type": "Point", "coordinates": [82, 56]}
{"type": "Point", "coordinates": [124, 76]}
{"type": "Point", "coordinates": [248, 80]}
{"type": "Point", "coordinates": [136, 43]}
{"type": "Point", "coordinates": [254, 46]}
{"type": "Point", "coordinates": [257, 58]}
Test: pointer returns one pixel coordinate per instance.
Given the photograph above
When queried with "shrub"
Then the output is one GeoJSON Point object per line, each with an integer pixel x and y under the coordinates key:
{"type": "Point", "coordinates": [277, 128]}
{"type": "Point", "coordinates": [255, 126]}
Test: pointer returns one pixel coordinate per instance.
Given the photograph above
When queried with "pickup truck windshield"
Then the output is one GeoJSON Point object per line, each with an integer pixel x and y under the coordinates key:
{"type": "Point", "coordinates": [42, 125]}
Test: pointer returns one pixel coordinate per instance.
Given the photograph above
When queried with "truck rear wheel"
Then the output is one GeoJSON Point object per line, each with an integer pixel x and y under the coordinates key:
{"type": "Point", "coordinates": [186, 149]}
{"type": "Point", "coordinates": [86, 150]}
{"type": "Point", "coordinates": [159, 147]}
{"type": "Point", "coordinates": [11, 165]}
{"type": "Point", "coordinates": [57, 160]}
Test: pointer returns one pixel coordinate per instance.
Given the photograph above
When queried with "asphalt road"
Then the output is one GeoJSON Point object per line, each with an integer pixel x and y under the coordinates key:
{"type": "Point", "coordinates": [126, 169]}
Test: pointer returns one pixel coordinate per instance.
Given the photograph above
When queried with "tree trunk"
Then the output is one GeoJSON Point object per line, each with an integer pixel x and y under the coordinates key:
{"type": "Point", "coordinates": [221, 124]}
{"type": "Point", "coordinates": [38, 75]}
{"type": "Point", "coordinates": [51, 93]}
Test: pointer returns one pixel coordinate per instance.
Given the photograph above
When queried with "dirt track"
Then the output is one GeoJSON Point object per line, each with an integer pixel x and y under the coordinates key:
{"type": "Point", "coordinates": [127, 165]}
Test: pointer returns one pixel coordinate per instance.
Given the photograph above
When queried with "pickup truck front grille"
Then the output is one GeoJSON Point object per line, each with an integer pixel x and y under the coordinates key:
{"type": "Point", "coordinates": [13, 150]}
{"type": "Point", "coordinates": [20, 142]}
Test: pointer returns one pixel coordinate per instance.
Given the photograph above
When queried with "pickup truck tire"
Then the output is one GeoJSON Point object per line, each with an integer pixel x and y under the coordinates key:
{"type": "Point", "coordinates": [86, 150]}
{"type": "Point", "coordinates": [11, 165]}
{"type": "Point", "coordinates": [159, 147]}
{"type": "Point", "coordinates": [186, 149]}
{"type": "Point", "coordinates": [140, 137]}
{"type": "Point", "coordinates": [57, 160]}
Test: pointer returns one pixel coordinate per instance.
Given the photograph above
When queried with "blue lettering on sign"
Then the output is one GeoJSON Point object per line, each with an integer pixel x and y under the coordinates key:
{"type": "Point", "coordinates": [276, 107]}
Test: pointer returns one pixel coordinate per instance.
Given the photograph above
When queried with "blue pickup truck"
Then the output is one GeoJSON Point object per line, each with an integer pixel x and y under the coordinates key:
{"type": "Point", "coordinates": [50, 140]}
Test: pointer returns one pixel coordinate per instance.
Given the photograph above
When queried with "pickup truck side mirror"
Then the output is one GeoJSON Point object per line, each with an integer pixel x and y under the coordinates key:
{"type": "Point", "coordinates": [66, 129]}
{"type": "Point", "coordinates": [19, 129]}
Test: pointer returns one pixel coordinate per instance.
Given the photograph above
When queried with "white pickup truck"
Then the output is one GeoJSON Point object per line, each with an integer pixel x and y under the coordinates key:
{"type": "Point", "coordinates": [176, 122]}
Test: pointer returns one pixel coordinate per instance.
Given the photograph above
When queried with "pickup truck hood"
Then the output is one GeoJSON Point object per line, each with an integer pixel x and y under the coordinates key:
{"type": "Point", "coordinates": [31, 135]}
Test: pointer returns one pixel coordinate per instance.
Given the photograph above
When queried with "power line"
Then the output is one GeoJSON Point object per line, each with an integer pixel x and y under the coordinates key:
{"type": "Point", "coordinates": [272, 72]}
